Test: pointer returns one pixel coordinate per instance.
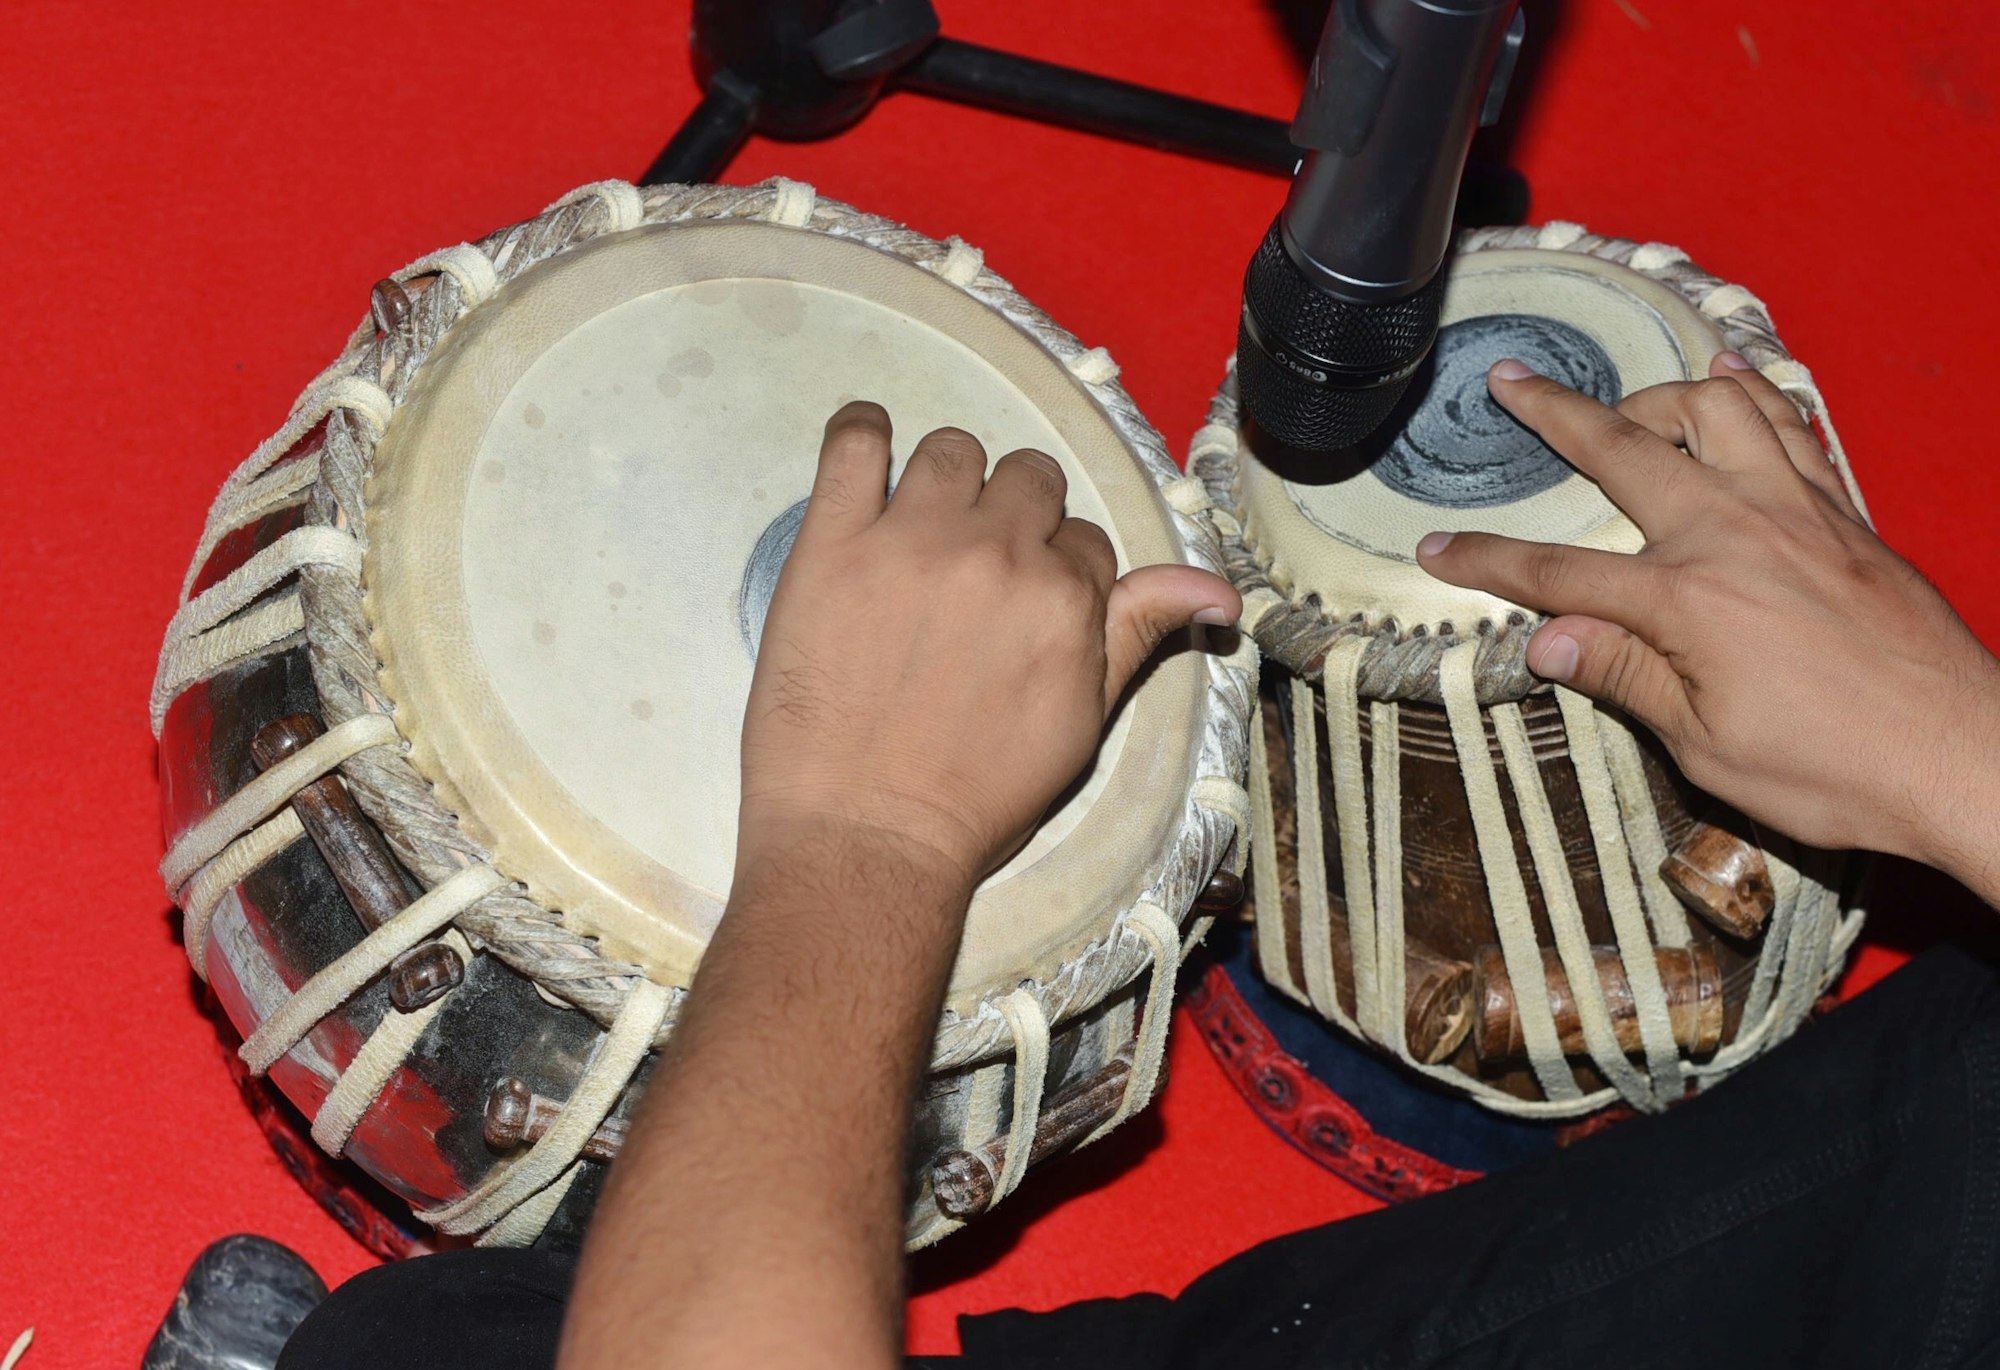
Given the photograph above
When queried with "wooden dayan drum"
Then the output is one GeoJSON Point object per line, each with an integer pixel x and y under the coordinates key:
{"type": "Point", "coordinates": [449, 715]}
{"type": "Point", "coordinates": [1510, 889]}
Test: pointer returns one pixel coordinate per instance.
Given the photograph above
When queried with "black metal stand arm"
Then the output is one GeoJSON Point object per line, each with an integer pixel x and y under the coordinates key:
{"type": "Point", "coordinates": [801, 69]}
{"type": "Point", "coordinates": [810, 68]}
{"type": "Point", "coordinates": [1097, 104]}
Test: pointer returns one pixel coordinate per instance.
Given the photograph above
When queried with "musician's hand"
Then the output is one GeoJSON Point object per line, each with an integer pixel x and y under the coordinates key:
{"type": "Point", "coordinates": [936, 667]}
{"type": "Point", "coordinates": [1794, 665]}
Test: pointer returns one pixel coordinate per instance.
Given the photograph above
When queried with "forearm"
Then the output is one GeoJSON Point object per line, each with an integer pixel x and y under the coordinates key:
{"type": "Point", "coordinates": [933, 670]}
{"type": "Point", "coordinates": [755, 1216]}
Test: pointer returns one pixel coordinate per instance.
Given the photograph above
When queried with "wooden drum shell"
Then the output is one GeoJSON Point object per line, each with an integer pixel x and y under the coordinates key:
{"type": "Point", "coordinates": [1446, 907]}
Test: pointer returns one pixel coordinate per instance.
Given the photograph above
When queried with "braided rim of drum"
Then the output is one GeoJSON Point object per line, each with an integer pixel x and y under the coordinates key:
{"type": "Point", "coordinates": [1298, 630]}
{"type": "Point", "coordinates": [357, 396]}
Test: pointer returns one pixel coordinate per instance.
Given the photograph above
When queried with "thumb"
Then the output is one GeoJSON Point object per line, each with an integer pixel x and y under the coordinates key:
{"type": "Point", "coordinates": [1147, 604]}
{"type": "Point", "coordinates": [1612, 665]}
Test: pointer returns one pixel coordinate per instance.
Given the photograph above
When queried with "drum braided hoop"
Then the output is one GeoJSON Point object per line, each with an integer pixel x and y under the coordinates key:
{"type": "Point", "coordinates": [1363, 666]}
{"type": "Point", "coordinates": [355, 398]}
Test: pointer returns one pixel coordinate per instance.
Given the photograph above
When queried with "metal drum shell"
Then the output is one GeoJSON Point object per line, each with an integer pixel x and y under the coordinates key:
{"type": "Point", "coordinates": [423, 1139]}
{"type": "Point", "coordinates": [286, 922]}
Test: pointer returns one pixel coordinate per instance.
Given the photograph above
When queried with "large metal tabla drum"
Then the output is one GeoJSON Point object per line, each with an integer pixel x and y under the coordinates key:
{"type": "Point", "coordinates": [448, 718]}
{"type": "Point", "coordinates": [1505, 886]}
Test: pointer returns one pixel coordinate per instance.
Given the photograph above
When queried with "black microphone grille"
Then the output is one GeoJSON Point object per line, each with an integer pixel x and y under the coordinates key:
{"type": "Point", "coordinates": [1317, 372]}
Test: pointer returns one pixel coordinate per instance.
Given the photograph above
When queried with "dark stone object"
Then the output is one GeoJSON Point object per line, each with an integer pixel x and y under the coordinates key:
{"type": "Point", "coordinates": [242, 1298]}
{"type": "Point", "coordinates": [1460, 450]}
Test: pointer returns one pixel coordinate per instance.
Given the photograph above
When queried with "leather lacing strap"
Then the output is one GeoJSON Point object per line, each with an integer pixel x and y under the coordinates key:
{"type": "Point", "coordinates": [617, 1055]}
{"type": "Point", "coordinates": [1350, 814]}
{"type": "Point", "coordinates": [1094, 367]}
{"type": "Point", "coordinates": [985, 1097]}
{"type": "Point", "coordinates": [465, 264]}
{"type": "Point", "coordinates": [1023, 1012]}
{"type": "Point", "coordinates": [1315, 903]}
{"type": "Point", "coordinates": [1621, 898]}
{"type": "Point", "coordinates": [1188, 495]}
{"type": "Point", "coordinates": [961, 263]}
{"type": "Point", "coordinates": [623, 204]}
{"type": "Point", "coordinates": [1385, 764]}
{"type": "Point", "coordinates": [204, 894]}
{"type": "Point", "coordinates": [380, 1057]}
{"type": "Point", "coordinates": [1163, 943]}
{"type": "Point", "coordinates": [235, 591]}
{"type": "Point", "coordinates": [525, 1221]}
{"type": "Point", "coordinates": [269, 792]}
{"type": "Point", "coordinates": [344, 976]}
{"type": "Point", "coordinates": [243, 505]}
{"type": "Point", "coordinates": [1221, 794]}
{"type": "Point", "coordinates": [1642, 830]}
{"type": "Point", "coordinates": [793, 205]}
{"type": "Point", "coordinates": [1273, 961]}
{"type": "Point", "coordinates": [300, 547]}
{"type": "Point", "coordinates": [1552, 872]}
{"type": "Point", "coordinates": [1791, 376]}
{"type": "Point", "coordinates": [1504, 887]}
{"type": "Point", "coordinates": [1803, 944]}
{"type": "Point", "coordinates": [988, 1092]}
{"type": "Point", "coordinates": [251, 488]}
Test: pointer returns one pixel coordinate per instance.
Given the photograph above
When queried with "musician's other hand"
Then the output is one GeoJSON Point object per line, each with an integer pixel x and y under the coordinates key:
{"type": "Point", "coordinates": [937, 666]}
{"type": "Point", "coordinates": [1794, 665]}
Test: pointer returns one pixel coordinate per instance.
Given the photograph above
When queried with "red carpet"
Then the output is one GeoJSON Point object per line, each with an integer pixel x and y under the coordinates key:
{"type": "Point", "coordinates": [202, 194]}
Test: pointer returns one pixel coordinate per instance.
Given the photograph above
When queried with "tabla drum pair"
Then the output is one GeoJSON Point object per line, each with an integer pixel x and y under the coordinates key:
{"type": "Point", "coordinates": [1500, 884]}
{"type": "Point", "coordinates": [448, 716]}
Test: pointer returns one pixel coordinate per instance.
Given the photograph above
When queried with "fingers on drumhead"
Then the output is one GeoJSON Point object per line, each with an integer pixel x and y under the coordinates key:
{"type": "Point", "coordinates": [1549, 577]}
{"type": "Point", "coordinates": [1090, 547]}
{"type": "Point", "coordinates": [853, 475]}
{"type": "Point", "coordinates": [1776, 407]}
{"type": "Point", "coordinates": [1793, 427]}
{"type": "Point", "coordinates": [1705, 417]}
{"type": "Point", "coordinates": [1626, 458]}
{"type": "Point", "coordinates": [1525, 392]}
{"type": "Point", "coordinates": [864, 415]}
{"type": "Point", "coordinates": [1029, 487]}
{"type": "Point", "coordinates": [948, 466]}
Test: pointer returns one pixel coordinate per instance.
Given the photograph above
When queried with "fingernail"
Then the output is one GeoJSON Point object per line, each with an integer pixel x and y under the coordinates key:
{"type": "Point", "coordinates": [1214, 618]}
{"type": "Point", "coordinates": [1735, 361]}
{"type": "Point", "coordinates": [1434, 543]}
{"type": "Point", "coordinates": [1511, 370]}
{"type": "Point", "coordinates": [1558, 661]}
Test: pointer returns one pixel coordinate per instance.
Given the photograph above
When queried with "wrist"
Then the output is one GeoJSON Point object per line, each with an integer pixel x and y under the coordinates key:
{"type": "Point", "coordinates": [1959, 834]}
{"type": "Point", "coordinates": [837, 862]}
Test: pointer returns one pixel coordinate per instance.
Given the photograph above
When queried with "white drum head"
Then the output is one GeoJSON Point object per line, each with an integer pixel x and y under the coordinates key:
{"type": "Point", "coordinates": [1457, 462]}
{"type": "Point", "coordinates": [575, 524]}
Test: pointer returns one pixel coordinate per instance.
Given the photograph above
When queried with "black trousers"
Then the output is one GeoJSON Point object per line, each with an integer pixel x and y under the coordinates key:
{"type": "Point", "coordinates": [1836, 1204]}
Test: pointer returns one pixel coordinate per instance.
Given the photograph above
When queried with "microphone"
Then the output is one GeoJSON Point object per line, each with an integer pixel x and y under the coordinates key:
{"type": "Point", "coordinates": [1341, 301]}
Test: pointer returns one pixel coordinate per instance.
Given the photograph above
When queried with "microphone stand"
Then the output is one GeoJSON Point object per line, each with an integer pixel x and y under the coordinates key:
{"type": "Point", "coordinates": [806, 69]}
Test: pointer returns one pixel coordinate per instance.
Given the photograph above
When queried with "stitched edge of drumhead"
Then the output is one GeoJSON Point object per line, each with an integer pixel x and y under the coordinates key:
{"type": "Point", "coordinates": [1299, 630]}
{"type": "Point", "coordinates": [389, 350]}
